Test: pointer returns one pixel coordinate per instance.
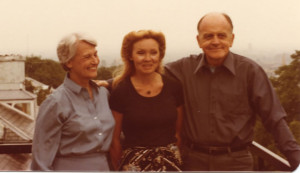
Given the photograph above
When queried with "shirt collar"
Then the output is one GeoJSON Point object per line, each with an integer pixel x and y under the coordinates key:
{"type": "Point", "coordinates": [201, 64]}
{"type": "Point", "coordinates": [74, 86]}
{"type": "Point", "coordinates": [228, 63]}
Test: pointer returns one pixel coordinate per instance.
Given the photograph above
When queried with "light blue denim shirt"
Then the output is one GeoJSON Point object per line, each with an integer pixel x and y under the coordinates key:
{"type": "Point", "coordinates": [69, 124]}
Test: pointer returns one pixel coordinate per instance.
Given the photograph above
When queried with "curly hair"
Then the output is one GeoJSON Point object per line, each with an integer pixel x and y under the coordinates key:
{"type": "Point", "coordinates": [127, 48]}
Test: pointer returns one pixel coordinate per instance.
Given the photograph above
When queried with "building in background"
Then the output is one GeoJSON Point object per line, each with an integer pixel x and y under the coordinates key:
{"type": "Point", "coordinates": [18, 110]}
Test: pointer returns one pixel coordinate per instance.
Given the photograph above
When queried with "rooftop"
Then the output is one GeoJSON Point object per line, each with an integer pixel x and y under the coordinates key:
{"type": "Point", "coordinates": [19, 124]}
{"type": "Point", "coordinates": [16, 95]}
{"type": "Point", "coordinates": [11, 58]}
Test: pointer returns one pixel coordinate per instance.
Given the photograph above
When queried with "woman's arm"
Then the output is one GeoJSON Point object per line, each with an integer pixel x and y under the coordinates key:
{"type": "Point", "coordinates": [179, 124]}
{"type": "Point", "coordinates": [116, 148]}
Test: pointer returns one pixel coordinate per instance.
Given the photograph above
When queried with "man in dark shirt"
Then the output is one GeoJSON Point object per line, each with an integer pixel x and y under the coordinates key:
{"type": "Point", "coordinates": [223, 93]}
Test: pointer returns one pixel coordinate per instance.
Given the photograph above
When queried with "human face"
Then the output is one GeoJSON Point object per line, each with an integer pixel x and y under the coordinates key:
{"type": "Point", "coordinates": [215, 38]}
{"type": "Point", "coordinates": [145, 56]}
{"type": "Point", "coordinates": [83, 66]}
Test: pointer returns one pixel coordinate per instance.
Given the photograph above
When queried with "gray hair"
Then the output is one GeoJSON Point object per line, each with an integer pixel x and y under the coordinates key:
{"type": "Point", "coordinates": [67, 47]}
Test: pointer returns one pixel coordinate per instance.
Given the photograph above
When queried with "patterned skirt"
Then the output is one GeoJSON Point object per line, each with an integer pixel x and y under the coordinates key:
{"type": "Point", "coordinates": [165, 158]}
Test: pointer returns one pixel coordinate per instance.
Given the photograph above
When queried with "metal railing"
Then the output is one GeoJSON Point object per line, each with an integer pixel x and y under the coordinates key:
{"type": "Point", "coordinates": [267, 155]}
{"type": "Point", "coordinates": [16, 148]}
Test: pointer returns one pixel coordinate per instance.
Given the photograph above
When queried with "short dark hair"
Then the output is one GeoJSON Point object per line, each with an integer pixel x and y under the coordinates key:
{"type": "Point", "coordinates": [224, 14]}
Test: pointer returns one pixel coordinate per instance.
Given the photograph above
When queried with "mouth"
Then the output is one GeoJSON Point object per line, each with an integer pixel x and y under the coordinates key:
{"type": "Point", "coordinates": [93, 68]}
{"type": "Point", "coordinates": [147, 65]}
{"type": "Point", "coordinates": [216, 49]}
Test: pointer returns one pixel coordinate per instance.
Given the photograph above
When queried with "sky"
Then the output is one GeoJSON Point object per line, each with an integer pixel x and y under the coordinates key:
{"type": "Point", "coordinates": [34, 27]}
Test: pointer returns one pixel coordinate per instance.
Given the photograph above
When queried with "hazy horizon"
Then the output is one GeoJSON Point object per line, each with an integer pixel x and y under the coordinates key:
{"type": "Point", "coordinates": [34, 27]}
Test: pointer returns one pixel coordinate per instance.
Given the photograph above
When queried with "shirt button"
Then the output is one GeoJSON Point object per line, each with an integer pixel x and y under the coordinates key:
{"type": "Point", "coordinates": [99, 134]}
{"type": "Point", "coordinates": [95, 118]}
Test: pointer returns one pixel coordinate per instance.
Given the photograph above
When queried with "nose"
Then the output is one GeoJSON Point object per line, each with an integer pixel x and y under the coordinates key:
{"type": "Point", "coordinates": [95, 59]}
{"type": "Point", "coordinates": [148, 57]}
{"type": "Point", "coordinates": [215, 40]}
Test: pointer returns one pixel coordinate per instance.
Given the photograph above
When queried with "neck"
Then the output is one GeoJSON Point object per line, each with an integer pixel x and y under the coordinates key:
{"type": "Point", "coordinates": [147, 85]}
{"type": "Point", "coordinates": [145, 79]}
{"type": "Point", "coordinates": [214, 62]}
{"type": "Point", "coordinates": [85, 83]}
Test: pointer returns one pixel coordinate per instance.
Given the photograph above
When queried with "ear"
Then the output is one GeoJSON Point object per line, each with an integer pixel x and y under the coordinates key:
{"type": "Point", "coordinates": [69, 64]}
{"type": "Point", "coordinates": [232, 39]}
{"type": "Point", "coordinates": [198, 40]}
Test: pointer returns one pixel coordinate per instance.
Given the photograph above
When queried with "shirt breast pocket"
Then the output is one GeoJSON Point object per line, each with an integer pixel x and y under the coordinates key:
{"type": "Point", "coordinates": [234, 102]}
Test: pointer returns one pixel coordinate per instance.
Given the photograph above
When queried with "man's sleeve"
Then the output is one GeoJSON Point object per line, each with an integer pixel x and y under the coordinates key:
{"type": "Point", "coordinates": [174, 69]}
{"type": "Point", "coordinates": [267, 105]}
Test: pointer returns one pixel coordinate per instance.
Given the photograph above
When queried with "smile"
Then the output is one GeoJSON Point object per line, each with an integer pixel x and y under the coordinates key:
{"type": "Point", "coordinates": [92, 68]}
{"type": "Point", "coordinates": [147, 65]}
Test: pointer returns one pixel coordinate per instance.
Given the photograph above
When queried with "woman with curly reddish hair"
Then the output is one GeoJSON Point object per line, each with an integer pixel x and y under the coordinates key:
{"type": "Point", "coordinates": [147, 107]}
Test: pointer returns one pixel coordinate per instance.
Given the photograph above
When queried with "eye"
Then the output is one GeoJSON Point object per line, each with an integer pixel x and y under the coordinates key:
{"type": "Point", "coordinates": [140, 52]}
{"type": "Point", "coordinates": [87, 56]}
{"type": "Point", "coordinates": [208, 36]}
{"type": "Point", "coordinates": [222, 35]}
{"type": "Point", "coordinates": [154, 52]}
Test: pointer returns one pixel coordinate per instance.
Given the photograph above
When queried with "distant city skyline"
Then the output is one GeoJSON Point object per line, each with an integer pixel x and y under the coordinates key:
{"type": "Point", "coordinates": [262, 28]}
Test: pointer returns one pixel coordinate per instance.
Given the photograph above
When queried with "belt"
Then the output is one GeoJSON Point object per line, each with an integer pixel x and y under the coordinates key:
{"type": "Point", "coordinates": [215, 150]}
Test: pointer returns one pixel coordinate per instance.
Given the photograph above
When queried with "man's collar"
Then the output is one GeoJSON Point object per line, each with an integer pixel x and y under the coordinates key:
{"type": "Point", "coordinates": [228, 63]}
{"type": "Point", "coordinates": [201, 64]}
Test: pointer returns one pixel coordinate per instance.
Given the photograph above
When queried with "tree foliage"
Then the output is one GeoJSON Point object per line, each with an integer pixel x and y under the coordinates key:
{"type": "Point", "coordinates": [42, 95]}
{"type": "Point", "coordinates": [29, 87]}
{"type": "Point", "coordinates": [46, 71]}
{"type": "Point", "coordinates": [105, 73]}
{"type": "Point", "coordinates": [287, 86]}
{"type": "Point", "coordinates": [286, 83]}
{"type": "Point", "coordinates": [39, 91]}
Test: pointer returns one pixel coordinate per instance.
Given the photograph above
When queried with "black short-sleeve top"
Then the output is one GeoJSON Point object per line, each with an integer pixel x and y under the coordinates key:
{"type": "Point", "coordinates": [147, 121]}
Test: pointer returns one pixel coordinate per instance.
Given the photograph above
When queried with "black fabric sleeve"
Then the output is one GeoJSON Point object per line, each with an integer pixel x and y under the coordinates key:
{"type": "Point", "coordinates": [116, 100]}
{"type": "Point", "coordinates": [176, 88]}
{"type": "Point", "coordinates": [178, 94]}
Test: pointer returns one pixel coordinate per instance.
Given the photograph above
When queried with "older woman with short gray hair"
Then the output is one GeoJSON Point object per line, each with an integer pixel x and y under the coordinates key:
{"type": "Point", "coordinates": [74, 125]}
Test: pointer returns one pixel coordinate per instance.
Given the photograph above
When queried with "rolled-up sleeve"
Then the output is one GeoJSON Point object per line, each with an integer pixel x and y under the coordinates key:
{"type": "Point", "coordinates": [47, 136]}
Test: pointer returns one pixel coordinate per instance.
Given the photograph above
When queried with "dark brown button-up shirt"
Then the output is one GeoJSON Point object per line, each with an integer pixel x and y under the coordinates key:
{"type": "Point", "coordinates": [221, 104]}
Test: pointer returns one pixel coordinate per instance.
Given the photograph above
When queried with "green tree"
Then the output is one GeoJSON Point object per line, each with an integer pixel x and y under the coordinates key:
{"type": "Point", "coordinates": [287, 85]}
{"type": "Point", "coordinates": [42, 95]}
{"type": "Point", "coordinates": [105, 73]}
{"type": "Point", "coordinates": [28, 86]}
{"type": "Point", "coordinates": [46, 71]}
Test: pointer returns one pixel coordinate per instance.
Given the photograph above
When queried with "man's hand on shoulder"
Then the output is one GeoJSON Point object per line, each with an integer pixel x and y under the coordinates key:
{"type": "Point", "coordinates": [102, 83]}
